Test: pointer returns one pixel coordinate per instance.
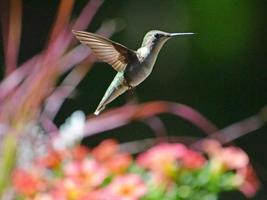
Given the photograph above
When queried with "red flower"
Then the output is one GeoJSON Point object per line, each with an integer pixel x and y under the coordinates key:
{"type": "Point", "coordinates": [80, 152]}
{"type": "Point", "coordinates": [26, 183]}
{"type": "Point", "coordinates": [251, 183]}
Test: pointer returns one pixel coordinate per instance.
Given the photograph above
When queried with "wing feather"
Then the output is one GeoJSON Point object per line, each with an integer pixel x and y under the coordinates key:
{"type": "Point", "coordinates": [106, 50]}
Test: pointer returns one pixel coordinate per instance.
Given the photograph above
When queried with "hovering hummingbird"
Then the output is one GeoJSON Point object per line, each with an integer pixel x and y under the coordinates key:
{"type": "Point", "coordinates": [132, 67]}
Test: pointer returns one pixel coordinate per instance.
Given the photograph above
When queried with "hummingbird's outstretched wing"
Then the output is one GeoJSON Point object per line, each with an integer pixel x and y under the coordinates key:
{"type": "Point", "coordinates": [106, 50]}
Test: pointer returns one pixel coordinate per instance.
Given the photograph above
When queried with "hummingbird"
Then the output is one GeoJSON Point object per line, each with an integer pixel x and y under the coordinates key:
{"type": "Point", "coordinates": [132, 67]}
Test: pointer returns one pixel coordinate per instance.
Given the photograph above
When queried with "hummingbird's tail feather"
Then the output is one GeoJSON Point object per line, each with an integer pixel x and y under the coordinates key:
{"type": "Point", "coordinates": [116, 88]}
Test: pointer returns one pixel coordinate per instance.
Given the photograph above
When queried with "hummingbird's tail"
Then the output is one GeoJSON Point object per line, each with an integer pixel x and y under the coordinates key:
{"type": "Point", "coordinates": [116, 88]}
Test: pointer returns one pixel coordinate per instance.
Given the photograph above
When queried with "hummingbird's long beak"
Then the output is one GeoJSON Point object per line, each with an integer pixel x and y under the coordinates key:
{"type": "Point", "coordinates": [180, 34]}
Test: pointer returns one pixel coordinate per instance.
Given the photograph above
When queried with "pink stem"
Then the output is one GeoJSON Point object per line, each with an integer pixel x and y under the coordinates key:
{"type": "Point", "coordinates": [12, 34]}
{"type": "Point", "coordinates": [121, 116]}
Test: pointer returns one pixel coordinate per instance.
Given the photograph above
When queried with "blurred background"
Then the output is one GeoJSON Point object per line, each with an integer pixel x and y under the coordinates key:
{"type": "Point", "coordinates": [221, 71]}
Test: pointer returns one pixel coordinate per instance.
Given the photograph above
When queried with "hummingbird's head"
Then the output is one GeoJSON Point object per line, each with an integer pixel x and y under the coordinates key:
{"type": "Point", "coordinates": [155, 37]}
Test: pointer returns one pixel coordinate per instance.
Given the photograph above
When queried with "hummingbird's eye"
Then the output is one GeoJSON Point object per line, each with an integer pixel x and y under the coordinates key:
{"type": "Point", "coordinates": [157, 36]}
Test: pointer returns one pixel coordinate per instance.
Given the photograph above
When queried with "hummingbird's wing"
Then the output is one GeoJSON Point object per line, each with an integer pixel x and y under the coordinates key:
{"type": "Point", "coordinates": [106, 50]}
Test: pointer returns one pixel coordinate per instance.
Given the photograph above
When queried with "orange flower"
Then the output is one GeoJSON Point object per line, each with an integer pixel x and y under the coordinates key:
{"type": "Point", "coordinates": [119, 163]}
{"type": "Point", "coordinates": [107, 153]}
{"type": "Point", "coordinates": [105, 150]}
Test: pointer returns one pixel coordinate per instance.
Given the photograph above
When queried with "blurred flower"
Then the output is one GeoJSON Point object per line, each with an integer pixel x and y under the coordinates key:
{"type": "Point", "coordinates": [32, 145]}
{"type": "Point", "coordinates": [67, 188]}
{"type": "Point", "coordinates": [251, 183]}
{"type": "Point", "coordinates": [119, 163]}
{"type": "Point", "coordinates": [166, 171]}
{"type": "Point", "coordinates": [71, 132]}
{"type": "Point", "coordinates": [50, 160]}
{"type": "Point", "coordinates": [193, 160]}
{"type": "Point", "coordinates": [105, 150]}
{"type": "Point", "coordinates": [80, 152]}
{"type": "Point", "coordinates": [163, 157]}
{"type": "Point", "coordinates": [233, 157]}
{"type": "Point", "coordinates": [210, 146]}
{"type": "Point", "coordinates": [99, 195]}
{"type": "Point", "coordinates": [26, 183]}
{"type": "Point", "coordinates": [44, 196]}
{"type": "Point", "coordinates": [230, 157]}
{"type": "Point", "coordinates": [88, 171]}
{"type": "Point", "coordinates": [107, 153]}
{"type": "Point", "coordinates": [127, 187]}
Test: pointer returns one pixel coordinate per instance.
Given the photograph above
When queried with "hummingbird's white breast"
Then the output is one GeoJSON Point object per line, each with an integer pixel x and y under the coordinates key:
{"type": "Point", "coordinates": [137, 72]}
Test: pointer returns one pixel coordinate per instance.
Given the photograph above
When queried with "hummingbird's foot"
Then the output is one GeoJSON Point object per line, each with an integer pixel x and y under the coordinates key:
{"type": "Point", "coordinates": [130, 87]}
{"type": "Point", "coordinates": [125, 82]}
{"type": "Point", "coordinates": [131, 90]}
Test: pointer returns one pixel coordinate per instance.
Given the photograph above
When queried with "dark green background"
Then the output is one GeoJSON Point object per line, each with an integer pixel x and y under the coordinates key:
{"type": "Point", "coordinates": [221, 71]}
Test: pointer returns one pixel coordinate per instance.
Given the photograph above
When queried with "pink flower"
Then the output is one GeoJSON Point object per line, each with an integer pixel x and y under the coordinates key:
{"type": "Point", "coordinates": [72, 168]}
{"type": "Point", "coordinates": [162, 157]}
{"type": "Point", "coordinates": [211, 147]}
{"type": "Point", "coordinates": [67, 188]}
{"type": "Point", "coordinates": [231, 157]}
{"type": "Point", "coordinates": [234, 157]}
{"type": "Point", "coordinates": [44, 196]}
{"type": "Point", "coordinates": [99, 195]}
{"type": "Point", "coordinates": [127, 187]}
{"type": "Point", "coordinates": [88, 171]}
{"type": "Point", "coordinates": [193, 160]}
